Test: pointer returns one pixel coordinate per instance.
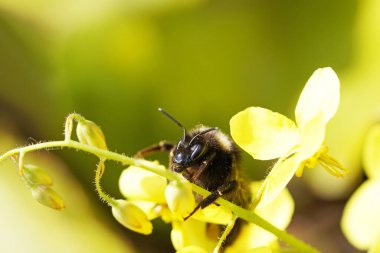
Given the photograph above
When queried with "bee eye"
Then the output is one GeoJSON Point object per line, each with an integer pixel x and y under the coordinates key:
{"type": "Point", "coordinates": [196, 151]}
{"type": "Point", "coordinates": [178, 158]}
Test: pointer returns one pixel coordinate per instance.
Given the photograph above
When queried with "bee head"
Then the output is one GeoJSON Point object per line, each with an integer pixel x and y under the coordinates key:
{"type": "Point", "coordinates": [189, 149]}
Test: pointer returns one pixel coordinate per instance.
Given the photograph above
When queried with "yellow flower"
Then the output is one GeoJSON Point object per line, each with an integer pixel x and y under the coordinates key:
{"type": "Point", "coordinates": [146, 190]}
{"type": "Point", "coordinates": [151, 193]}
{"type": "Point", "coordinates": [138, 184]}
{"type": "Point", "coordinates": [214, 214]}
{"type": "Point", "coordinates": [171, 202]}
{"type": "Point", "coordinates": [194, 233]}
{"type": "Point", "coordinates": [269, 135]}
{"type": "Point", "coordinates": [361, 221]}
{"type": "Point", "coordinates": [192, 249]}
{"type": "Point", "coordinates": [131, 216]}
{"type": "Point", "coordinates": [279, 213]}
{"type": "Point", "coordinates": [180, 197]}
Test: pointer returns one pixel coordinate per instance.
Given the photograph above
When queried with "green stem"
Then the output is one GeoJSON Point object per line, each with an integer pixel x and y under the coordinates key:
{"type": "Point", "coordinates": [69, 124]}
{"type": "Point", "coordinates": [247, 215]}
{"type": "Point", "coordinates": [21, 164]}
{"type": "Point", "coordinates": [251, 217]}
{"type": "Point", "coordinates": [226, 232]}
{"type": "Point", "coordinates": [98, 175]}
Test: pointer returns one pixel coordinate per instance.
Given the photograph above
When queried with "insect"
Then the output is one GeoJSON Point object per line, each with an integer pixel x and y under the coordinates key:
{"type": "Point", "coordinates": [208, 158]}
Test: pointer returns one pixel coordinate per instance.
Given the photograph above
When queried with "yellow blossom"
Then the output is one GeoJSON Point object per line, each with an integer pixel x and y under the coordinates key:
{"type": "Point", "coordinates": [138, 184]}
{"type": "Point", "coordinates": [131, 216]}
{"type": "Point", "coordinates": [279, 212]}
{"type": "Point", "coordinates": [180, 197]}
{"type": "Point", "coordinates": [151, 209]}
{"type": "Point", "coordinates": [192, 249]}
{"type": "Point", "coordinates": [251, 238]}
{"type": "Point", "coordinates": [145, 190]}
{"type": "Point", "coordinates": [258, 250]}
{"type": "Point", "coordinates": [156, 197]}
{"type": "Point", "coordinates": [360, 222]}
{"type": "Point", "coordinates": [269, 135]}
{"type": "Point", "coordinates": [371, 156]}
{"type": "Point", "coordinates": [191, 232]}
{"type": "Point", "coordinates": [201, 231]}
{"type": "Point", "coordinates": [214, 214]}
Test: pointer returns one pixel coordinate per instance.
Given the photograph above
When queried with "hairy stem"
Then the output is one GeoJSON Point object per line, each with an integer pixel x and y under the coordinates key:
{"type": "Point", "coordinates": [226, 232]}
{"type": "Point", "coordinates": [98, 175]}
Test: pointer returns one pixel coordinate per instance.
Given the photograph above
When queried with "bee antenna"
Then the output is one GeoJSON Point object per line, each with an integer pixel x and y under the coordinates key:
{"type": "Point", "coordinates": [203, 132]}
{"type": "Point", "coordinates": [175, 121]}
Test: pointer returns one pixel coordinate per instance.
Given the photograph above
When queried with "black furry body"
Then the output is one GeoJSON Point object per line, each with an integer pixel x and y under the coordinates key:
{"type": "Point", "coordinates": [210, 159]}
{"type": "Point", "coordinates": [222, 158]}
{"type": "Point", "coordinates": [216, 169]}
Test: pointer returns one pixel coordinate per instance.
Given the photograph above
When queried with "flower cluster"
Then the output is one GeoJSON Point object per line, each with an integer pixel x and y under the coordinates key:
{"type": "Point", "coordinates": [171, 201]}
{"type": "Point", "coordinates": [360, 221]}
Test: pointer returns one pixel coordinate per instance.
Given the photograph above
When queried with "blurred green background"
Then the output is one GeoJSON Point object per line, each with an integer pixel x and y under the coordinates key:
{"type": "Point", "coordinates": [116, 61]}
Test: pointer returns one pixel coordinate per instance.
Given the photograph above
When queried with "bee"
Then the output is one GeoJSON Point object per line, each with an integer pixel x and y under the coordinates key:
{"type": "Point", "coordinates": [208, 158]}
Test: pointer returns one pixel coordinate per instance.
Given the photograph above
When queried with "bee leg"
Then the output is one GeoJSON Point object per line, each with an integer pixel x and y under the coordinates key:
{"type": "Point", "coordinates": [202, 168]}
{"type": "Point", "coordinates": [220, 191]}
{"type": "Point", "coordinates": [161, 146]}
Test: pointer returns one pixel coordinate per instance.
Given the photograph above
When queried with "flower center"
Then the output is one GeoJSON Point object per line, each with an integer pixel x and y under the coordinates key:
{"type": "Point", "coordinates": [330, 164]}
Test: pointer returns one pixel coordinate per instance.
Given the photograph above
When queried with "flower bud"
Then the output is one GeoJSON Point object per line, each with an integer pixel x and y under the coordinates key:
{"type": "Point", "coordinates": [47, 196]}
{"type": "Point", "coordinates": [180, 197]}
{"type": "Point", "coordinates": [91, 134]}
{"type": "Point", "coordinates": [131, 217]}
{"type": "Point", "coordinates": [35, 175]}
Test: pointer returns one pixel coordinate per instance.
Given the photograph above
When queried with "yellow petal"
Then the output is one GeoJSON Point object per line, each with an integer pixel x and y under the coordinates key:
{"type": "Point", "coordinates": [214, 214]}
{"type": "Point", "coordinates": [264, 134]}
{"type": "Point", "coordinates": [131, 217]}
{"type": "Point", "coordinates": [277, 179]}
{"type": "Point", "coordinates": [148, 207]}
{"type": "Point", "coordinates": [259, 250]}
{"type": "Point", "coordinates": [191, 233]}
{"type": "Point", "coordinates": [312, 137]}
{"type": "Point", "coordinates": [192, 249]}
{"type": "Point", "coordinates": [180, 197]}
{"type": "Point", "coordinates": [361, 220]}
{"type": "Point", "coordinates": [139, 184]}
{"type": "Point", "coordinates": [320, 95]}
{"type": "Point", "coordinates": [279, 212]}
{"type": "Point", "coordinates": [178, 235]}
{"type": "Point", "coordinates": [254, 250]}
{"type": "Point", "coordinates": [371, 156]}
{"type": "Point", "coordinates": [375, 248]}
